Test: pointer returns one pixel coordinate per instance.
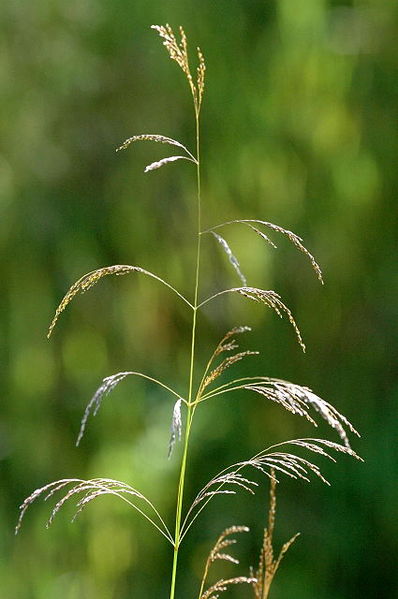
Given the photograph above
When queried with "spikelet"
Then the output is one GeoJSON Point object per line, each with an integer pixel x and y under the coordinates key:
{"type": "Point", "coordinates": [268, 566]}
{"type": "Point", "coordinates": [233, 260]}
{"type": "Point", "coordinates": [85, 283]}
{"type": "Point", "coordinates": [200, 71]}
{"type": "Point", "coordinates": [178, 51]}
{"type": "Point", "coordinates": [176, 426]}
{"type": "Point", "coordinates": [90, 279]}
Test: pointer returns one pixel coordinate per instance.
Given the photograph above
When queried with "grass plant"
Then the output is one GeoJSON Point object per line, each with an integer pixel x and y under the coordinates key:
{"type": "Point", "coordinates": [280, 459]}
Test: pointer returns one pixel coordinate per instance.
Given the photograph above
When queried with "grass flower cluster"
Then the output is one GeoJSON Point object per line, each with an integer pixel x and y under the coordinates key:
{"type": "Point", "coordinates": [276, 460]}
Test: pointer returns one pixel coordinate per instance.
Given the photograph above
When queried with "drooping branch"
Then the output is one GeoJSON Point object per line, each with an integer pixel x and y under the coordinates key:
{"type": "Point", "coordinates": [230, 480]}
{"type": "Point", "coordinates": [267, 297]}
{"type": "Point", "coordinates": [156, 138]}
{"type": "Point", "coordinates": [90, 279]}
{"type": "Point", "coordinates": [293, 238]}
{"type": "Point", "coordinates": [107, 385]}
{"type": "Point", "coordinates": [92, 489]}
{"type": "Point", "coordinates": [294, 398]}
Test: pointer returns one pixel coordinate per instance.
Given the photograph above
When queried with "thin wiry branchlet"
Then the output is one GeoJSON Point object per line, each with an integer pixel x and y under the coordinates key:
{"type": "Point", "coordinates": [218, 371]}
{"type": "Point", "coordinates": [232, 478]}
{"type": "Point", "coordinates": [176, 426]}
{"type": "Point", "coordinates": [85, 283]}
{"type": "Point", "coordinates": [267, 297]}
{"type": "Point", "coordinates": [90, 279]}
{"type": "Point", "coordinates": [108, 384]}
{"type": "Point", "coordinates": [223, 346]}
{"type": "Point", "coordinates": [218, 553]}
{"type": "Point", "coordinates": [268, 566]}
{"type": "Point", "coordinates": [317, 446]}
{"type": "Point", "coordinates": [293, 238]}
{"type": "Point", "coordinates": [227, 343]}
{"type": "Point", "coordinates": [154, 137]}
{"type": "Point", "coordinates": [231, 257]}
{"type": "Point", "coordinates": [178, 51]}
{"type": "Point", "coordinates": [272, 300]}
{"type": "Point", "coordinates": [261, 234]}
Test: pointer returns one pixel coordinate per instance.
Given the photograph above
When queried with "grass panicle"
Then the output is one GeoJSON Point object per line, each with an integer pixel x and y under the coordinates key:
{"type": "Point", "coordinates": [279, 459]}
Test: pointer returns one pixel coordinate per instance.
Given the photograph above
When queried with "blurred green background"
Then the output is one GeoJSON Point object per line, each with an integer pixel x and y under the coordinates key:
{"type": "Point", "coordinates": [299, 128]}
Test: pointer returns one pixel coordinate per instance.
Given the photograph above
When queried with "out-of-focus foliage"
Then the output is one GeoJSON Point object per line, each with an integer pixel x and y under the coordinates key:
{"type": "Point", "coordinates": [299, 128]}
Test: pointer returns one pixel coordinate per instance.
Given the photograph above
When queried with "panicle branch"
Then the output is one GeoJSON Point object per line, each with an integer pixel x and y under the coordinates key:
{"type": "Point", "coordinates": [267, 297]}
{"type": "Point", "coordinates": [92, 489]}
{"type": "Point", "coordinates": [106, 387]}
{"type": "Point", "coordinates": [292, 237]}
{"type": "Point", "coordinates": [90, 279]}
{"type": "Point", "coordinates": [230, 480]}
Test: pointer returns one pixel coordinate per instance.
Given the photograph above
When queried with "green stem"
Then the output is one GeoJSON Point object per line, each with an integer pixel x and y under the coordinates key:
{"type": "Point", "coordinates": [190, 411]}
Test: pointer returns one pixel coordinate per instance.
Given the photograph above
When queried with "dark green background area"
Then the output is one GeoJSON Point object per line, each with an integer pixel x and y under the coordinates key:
{"type": "Point", "coordinates": [299, 128]}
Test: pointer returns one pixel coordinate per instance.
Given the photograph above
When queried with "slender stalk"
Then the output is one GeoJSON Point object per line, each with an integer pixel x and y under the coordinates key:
{"type": "Point", "coordinates": [190, 410]}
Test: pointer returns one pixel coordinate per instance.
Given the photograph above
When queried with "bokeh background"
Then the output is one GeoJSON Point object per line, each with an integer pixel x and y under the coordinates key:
{"type": "Point", "coordinates": [299, 128]}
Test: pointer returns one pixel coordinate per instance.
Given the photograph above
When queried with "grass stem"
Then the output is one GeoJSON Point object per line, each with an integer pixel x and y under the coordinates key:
{"type": "Point", "coordinates": [190, 410]}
